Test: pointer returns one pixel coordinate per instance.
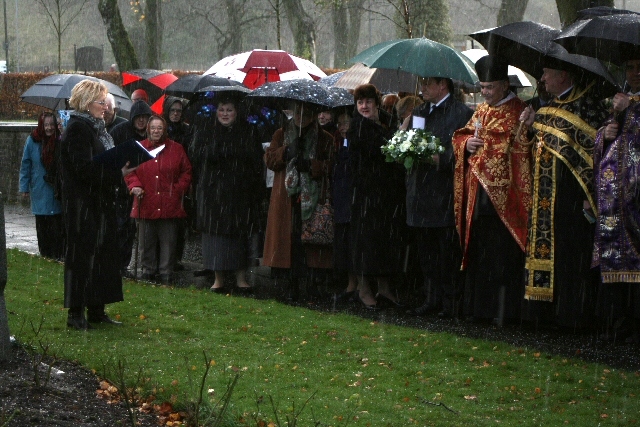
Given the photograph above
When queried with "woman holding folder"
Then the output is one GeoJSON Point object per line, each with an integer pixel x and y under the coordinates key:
{"type": "Point", "coordinates": [88, 190]}
{"type": "Point", "coordinates": [159, 186]}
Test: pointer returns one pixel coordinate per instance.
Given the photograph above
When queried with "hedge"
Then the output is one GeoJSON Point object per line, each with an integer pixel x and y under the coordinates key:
{"type": "Point", "coordinates": [12, 85]}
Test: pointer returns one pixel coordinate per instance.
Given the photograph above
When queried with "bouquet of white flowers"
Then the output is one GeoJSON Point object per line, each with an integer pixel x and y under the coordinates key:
{"type": "Point", "coordinates": [410, 146]}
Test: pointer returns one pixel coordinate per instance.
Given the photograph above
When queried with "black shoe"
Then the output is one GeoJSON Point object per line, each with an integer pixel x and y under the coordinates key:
{"type": "Point", "coordinates": [150, 277]}
{"type": "Point", "coordinates": [245, 290]}
{"type": "Point", "coordinates": [445, 314]}
{"type": "Point", "coordinates": [424, 310]}
{"type": "Point", "coordinates": [372, 307]}
{"type": "Point", "coordinates": [78, 322]}
{"type": "Point", "coordinates": [203, 273]}
{"type": "Point", "coordinates": [388, 302]}
{"type": "Point", "coordinates": [102, 318]}
{"type": "Point", "coordinates": [220, 290]}
{"type": "Point", "coordinates": [346, 297]}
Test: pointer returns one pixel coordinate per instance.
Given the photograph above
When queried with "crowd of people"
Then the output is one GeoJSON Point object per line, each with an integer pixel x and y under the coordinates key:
{"type": "Point", "coordinates": [530, 212]}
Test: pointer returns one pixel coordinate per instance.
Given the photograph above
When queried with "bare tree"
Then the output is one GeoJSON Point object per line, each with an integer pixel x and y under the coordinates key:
{"type": "Point", "coordinates": [303, 29]}
{"type": "Point", "coordinates": [229, 25]}
{"type": "Point", "coordinates": [153, 33]}
{"type": "Point", "coordinates": [61, 14]}
{"type": "Point", "coordinates": [568, 9]}
{"type": "Point", "coordinates": [418, 18]}
{"type": "Point", "coordinates": [276, 6]}
{"type": "Point", "coordinates": [511, 11]}
{"type": "Point", "coordinates": [347, 18]}
{"type": "Point", "coordinates": [118, 36]}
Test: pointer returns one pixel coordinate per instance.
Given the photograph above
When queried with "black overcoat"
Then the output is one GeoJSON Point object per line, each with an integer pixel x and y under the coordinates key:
{"type": "Point", "coordinates": [92, 266]}
{"type": "Point", "coordinates": [228, 164]}
{"type": "Point", "coordinates": [430, 186]}
{"type": "Point", "coordinates": [378, 222]}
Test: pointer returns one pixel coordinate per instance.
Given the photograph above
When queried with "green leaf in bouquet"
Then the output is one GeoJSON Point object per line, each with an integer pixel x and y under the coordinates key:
{"type": "Point", "coordinates": [408, 163]}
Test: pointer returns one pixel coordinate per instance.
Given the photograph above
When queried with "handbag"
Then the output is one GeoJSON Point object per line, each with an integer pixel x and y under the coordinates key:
{"type": "Point", "coordinates": [318, 229]}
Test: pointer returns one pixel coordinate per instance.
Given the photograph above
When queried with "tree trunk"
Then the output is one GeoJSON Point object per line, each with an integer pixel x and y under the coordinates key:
{"type": "Point", "coordinates": [5, 344]}
{"type": "Point", "coordinates": [303, 29]}
{"type": "Point", "coordinates": [121, 46]}
{"type": "Point", "coordinates": [423, 19]}
{"type": "Point", "coordinates": [234, 24]}
{"type": "Point", "coordinates": [511, 11]}
{"type": "Point", "coordinates": [568, 9]}
{"type": "Point", "coordinates": [346, 17]}
{"type": "Point", "coordinates": [153, 33]}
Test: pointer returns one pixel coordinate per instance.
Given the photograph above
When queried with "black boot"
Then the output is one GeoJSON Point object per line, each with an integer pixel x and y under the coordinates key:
{"type": "Point", "coordinates": [96, 314]}
{"type": "Point", "coordinates": [76, 319]}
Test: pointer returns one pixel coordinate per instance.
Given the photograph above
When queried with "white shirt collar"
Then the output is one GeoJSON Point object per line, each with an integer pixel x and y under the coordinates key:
{"type": "Point", "coordinates": [507, 98]}
{"type": "Point", "coordinates": [441, 101]}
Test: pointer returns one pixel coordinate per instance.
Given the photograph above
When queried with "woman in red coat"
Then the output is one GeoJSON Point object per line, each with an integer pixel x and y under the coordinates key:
{"type": "Point", "coordinates": [159, 186]}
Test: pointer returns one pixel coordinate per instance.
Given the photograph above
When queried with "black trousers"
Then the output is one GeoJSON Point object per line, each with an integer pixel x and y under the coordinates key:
{"type": "Point", "coordinates": [440, 255]}
{"type": "Point", "coordinates": [50, 233]}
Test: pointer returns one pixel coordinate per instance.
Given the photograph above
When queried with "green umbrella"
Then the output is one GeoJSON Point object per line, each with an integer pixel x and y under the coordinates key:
{"type": "Point", "coordinates": [421, 56]}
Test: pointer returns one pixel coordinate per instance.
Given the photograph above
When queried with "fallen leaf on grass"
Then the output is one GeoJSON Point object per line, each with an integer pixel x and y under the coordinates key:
{"type": "Point", "coordinates": [471, 397]}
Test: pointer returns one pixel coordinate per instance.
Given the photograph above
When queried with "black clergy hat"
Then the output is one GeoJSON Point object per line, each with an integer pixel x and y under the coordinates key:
{"type": "Point", "coordinates": [491, 68]}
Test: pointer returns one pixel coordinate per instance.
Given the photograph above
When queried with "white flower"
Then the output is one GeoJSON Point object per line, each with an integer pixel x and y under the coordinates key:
{"type": "Point", "coordinates": [405, 146]}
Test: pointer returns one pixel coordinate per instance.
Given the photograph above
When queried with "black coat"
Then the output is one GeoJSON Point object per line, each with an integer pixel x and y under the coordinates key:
{"type": "Point", "coordinates": [430, 187]}
{"type": "Point", "coordinates": [378, 222]}
{"type": "Point", "coordinates": [228, 164]}
{"type": "Point", "coordinates": [92, 266]}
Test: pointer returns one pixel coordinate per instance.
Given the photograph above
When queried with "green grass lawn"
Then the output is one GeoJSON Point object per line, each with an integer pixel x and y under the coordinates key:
{"type": "Point", "coordinates": [357, 372]}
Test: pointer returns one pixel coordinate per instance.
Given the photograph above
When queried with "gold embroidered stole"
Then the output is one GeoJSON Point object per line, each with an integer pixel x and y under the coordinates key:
{"type": "Point", "coordinates": [561, 136]}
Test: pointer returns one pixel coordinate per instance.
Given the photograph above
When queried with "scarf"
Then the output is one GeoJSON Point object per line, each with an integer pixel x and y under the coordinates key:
{"type": "Point", "coordinates": [98, 126]}
{"type": "Point", "coordinates": [48, 142]}
{"type": "Point", "coordinates": [300, 182]}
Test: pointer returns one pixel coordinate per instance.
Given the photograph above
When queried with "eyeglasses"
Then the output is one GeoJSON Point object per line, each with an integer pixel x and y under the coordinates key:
{"type": "Point", "coordinates": [175, 110]}
{"type": "Point", "coordinates": [101, 103]}
{"type": "Point", "coordinates": [154, 128]}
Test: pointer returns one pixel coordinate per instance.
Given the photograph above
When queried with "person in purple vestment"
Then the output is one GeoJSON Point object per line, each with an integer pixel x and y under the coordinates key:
{"type": "Point", "coordinates": [617, 236]}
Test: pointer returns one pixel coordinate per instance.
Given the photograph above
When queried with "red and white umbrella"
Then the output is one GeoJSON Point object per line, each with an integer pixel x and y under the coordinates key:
{"type": "Point", "coordinates": [259, 66]}
{"type": "Point", "coordinates": [152, 81]}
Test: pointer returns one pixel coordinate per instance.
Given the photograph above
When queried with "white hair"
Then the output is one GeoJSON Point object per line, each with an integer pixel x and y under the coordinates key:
{"type": "Point", "coordinates": [111, 100]}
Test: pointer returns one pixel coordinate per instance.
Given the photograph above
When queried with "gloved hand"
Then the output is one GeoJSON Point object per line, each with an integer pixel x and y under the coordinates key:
{"type": "Point", "coordinates": [303, 165]}
{"type": "Point", "coordinates": [292, 149]}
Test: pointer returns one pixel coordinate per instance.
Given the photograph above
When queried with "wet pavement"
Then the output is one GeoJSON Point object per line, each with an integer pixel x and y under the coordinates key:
{"type": "Point", "coordinates": [585, 345]}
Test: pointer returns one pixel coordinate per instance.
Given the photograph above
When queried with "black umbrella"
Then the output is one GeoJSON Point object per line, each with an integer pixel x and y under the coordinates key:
{"type": "Point", "coordinates": [530, 47]}
{"type": "Point", "coordinates": [613, 38]}
{"type": "Point", "coordinates": [308, 91]}
{"type": "Point", "coordinates": [187, 86]}
{"type": "Point", "coordinates": [331, 79]}
{"type": "Point", "coordinates": [54, 91]}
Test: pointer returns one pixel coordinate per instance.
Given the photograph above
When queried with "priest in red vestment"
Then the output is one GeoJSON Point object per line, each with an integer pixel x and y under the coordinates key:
{"type": "Point", "coordinates": [492, 191]}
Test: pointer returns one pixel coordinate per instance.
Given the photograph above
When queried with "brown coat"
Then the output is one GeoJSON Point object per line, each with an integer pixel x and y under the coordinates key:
{"type": "Point", "coordinates": [277, 244]}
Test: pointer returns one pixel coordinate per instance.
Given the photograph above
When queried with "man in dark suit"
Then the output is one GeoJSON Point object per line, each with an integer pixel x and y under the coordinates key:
{"type": "Point", "coordinates": [430, 199]}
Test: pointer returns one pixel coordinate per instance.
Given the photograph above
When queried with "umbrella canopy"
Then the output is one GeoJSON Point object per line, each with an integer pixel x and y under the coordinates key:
{"type": "Point", "coordinates": [517, 78]}
{"type": "Point", "coordinates": [528, 45]}
{"type": "Point", "coordinates": [54, 91]}
{"type": "Point", "coordinates": [614, 38]}
{"type": "Point", "coordinates": [187, 86]}
{"type": "Point", "coordinates": [331, 79]}
{"type": "Point", "coordinates": [308, 91]}
{"type": "Point", "coordinates": [259, 66]}
{"type": "Point", "coordinates": [421, 56]}
{"type": "Point", "coordinates": [151, 81]}
{"type": "Point", "coordinates": [384, 79]}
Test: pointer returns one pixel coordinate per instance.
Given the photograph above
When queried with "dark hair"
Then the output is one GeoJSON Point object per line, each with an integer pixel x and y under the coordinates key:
{"type": "Point", "coordinates": [367, 91]}
{"type": "Point", "coordinates": [450, 86]}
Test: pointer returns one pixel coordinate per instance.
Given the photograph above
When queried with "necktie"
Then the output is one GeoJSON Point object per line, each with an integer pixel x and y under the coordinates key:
{"type": "Point", "coordinates": [433, 106]}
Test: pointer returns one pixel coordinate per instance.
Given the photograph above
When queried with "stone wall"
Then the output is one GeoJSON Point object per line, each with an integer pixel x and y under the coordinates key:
{"type": "Point", "coordinates": [12, 139]}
